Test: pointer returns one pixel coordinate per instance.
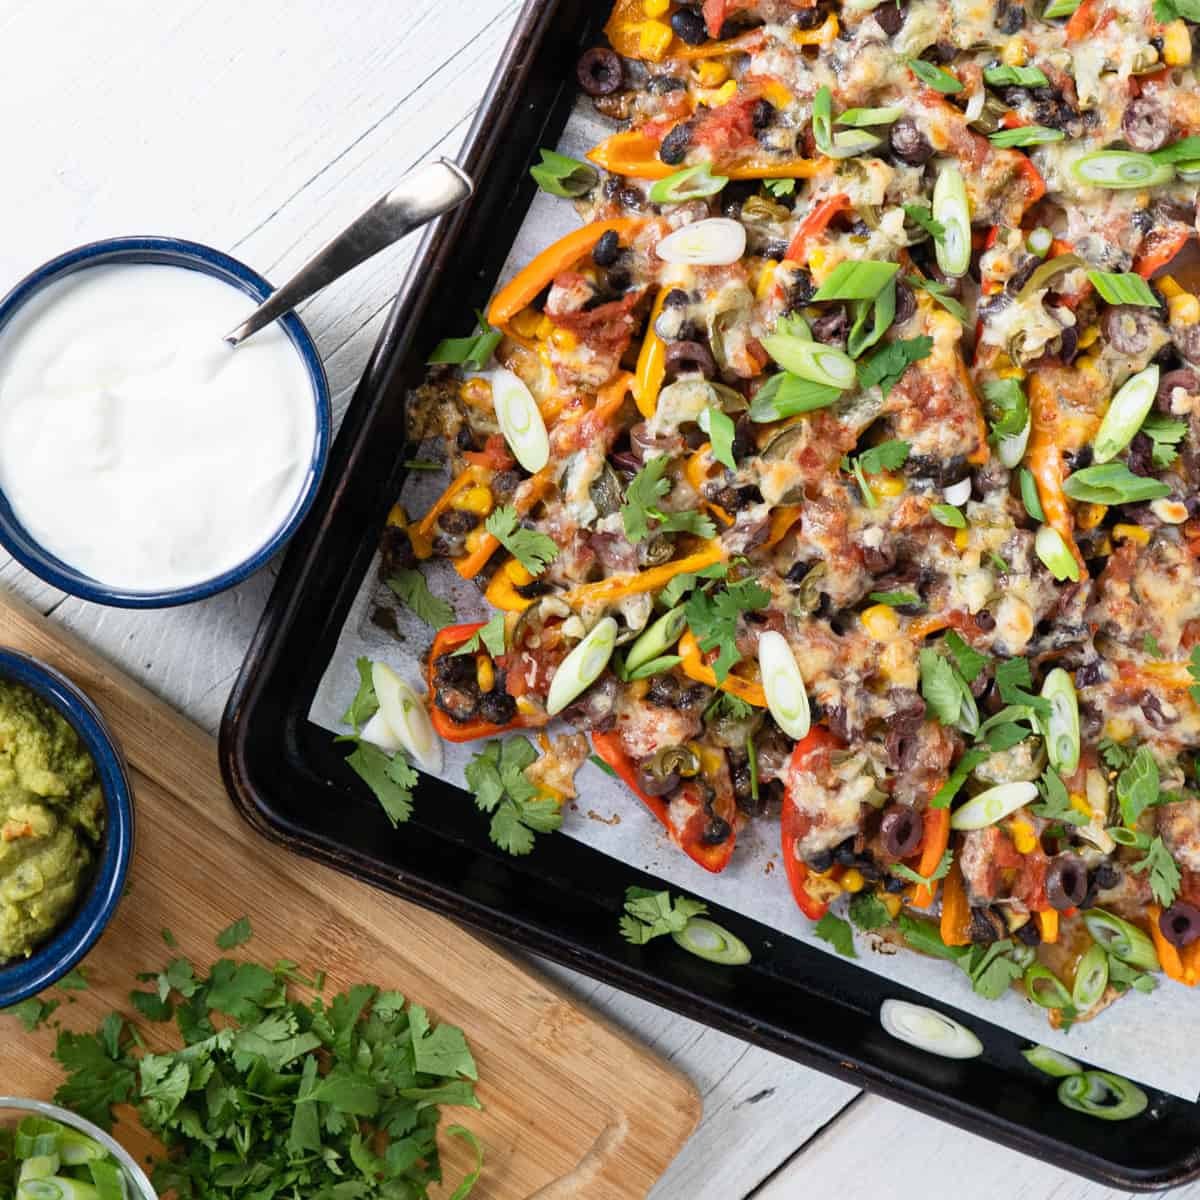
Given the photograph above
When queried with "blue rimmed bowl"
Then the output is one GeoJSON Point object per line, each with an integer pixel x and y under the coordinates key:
{"type": "Point", "coordinates": [172, 252]}
{"type": "Point", "coordinates": [68, 945]}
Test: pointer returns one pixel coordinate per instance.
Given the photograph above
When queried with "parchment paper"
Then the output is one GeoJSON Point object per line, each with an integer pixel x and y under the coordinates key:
{"type": "Point", "coordinates": [1149, 1038]}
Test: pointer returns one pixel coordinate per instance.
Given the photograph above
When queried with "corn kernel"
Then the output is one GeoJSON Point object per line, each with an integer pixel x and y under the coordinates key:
{"type": "Point", "coordinates": [724, 93]}
{"type": "Point", "coordinates": [892, 904]}
{"type": "Point", "coordinates": [1086, 362]}
{"type": "Point", "coordinates": [1177, 44]}
{"type": "Point", "coordinates": [545, 327]}
{"type": "Point", "coordinates": [476, 499]}
{"type": "Point", "coordinates": [898, 664]}
{"type": "Point", "coordinates": [654, 40]}
{"type": "Point", "coordinates": [887, 485]}
{"type": "Point", "coordinates": [564, 339]}
{"type": "Point", "coordinates": [477, 393]}
{"type": "Point", "coordinates": [1088, 516]}
{"type": "Point", "coordinates": [1120, 729]}
{"type": "Point", "coordinates": [822, 888]}
{"type": "Point", "coordinates": [655, 8]}
{"type": "Point", "coordinates": [710, 73]}
{"type": "Point", "coordinates": [525, 706]}
{"type": "Point", "coordinates": [1088, 336]}
{"type": "Point", "coordinates": [485, 673]}
{"type": "Point", "coordinates": [475, 537]}
{"type": "Point", "coordinates": [1012, 373]}
{"type": "Point", "coordinates": [1014, 53]}
{"type": "Point", "coordinates": [881, 622]}
{"type": "Point", "coordinates": [1184, 309]}
{"type": "Point", "coordinates": [962, 539]}
{"type": "Point", "coordinates": [1131, 533]}
{"type": "Point", "coordinates": [1023, 837]}
{"type": "Point", "coordinates": [398, 517]}
{"type": "Point", "coordinates": [517, 573]}
{"type": "Point", "coordinates": [1080, 805]}
{"type": "Point", "coordinates": [818, 261]}
{"type": "Point", "coordinates": [766, 280]}
{"type": "Point", "coordinates": [526, 322]}
{"type": "Point", "coordinates": [1169, 286]}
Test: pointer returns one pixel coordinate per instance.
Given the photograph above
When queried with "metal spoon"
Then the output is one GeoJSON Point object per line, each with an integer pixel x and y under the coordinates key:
{"type": "Point", "coordinates": [420, 196]}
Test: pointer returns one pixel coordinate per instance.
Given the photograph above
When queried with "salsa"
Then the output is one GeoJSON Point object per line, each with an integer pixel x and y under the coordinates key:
{"type": "Point", "coordinates": [51, 819]}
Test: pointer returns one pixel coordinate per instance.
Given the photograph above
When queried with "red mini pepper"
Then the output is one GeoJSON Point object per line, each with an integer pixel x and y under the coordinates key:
{"type": "Point", "coordinates": [818, 738]}
{"type": "Point", "coordinates": [689, 836]}
{"type": "Point", "coordinates": [815, 223]}
{"type": "Point", "coordinates": [1160, 246]}
{"type": "Point", "coordinates": [446, 641]}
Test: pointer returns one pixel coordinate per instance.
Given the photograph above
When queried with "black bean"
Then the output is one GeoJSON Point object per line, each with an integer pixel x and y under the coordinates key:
{"type": "Point", "coordinates": [845, 854]}
{"type": "Point", "coordinates": [832, 327]}
{"type": "Point", "coordinates": [676, 298]}
{"type": "Point", "coordinates": [1090, 673]}
{"type": "Point", "coordinates": [894, 884]}
{"type": "Point", "coordinates": [396, 550]}
{"type": "Point", "coordinates": [986, 927]}
{"type": "Point", "coordinates": [675, 145]}
{"type": "Point", "coordinates": [684, 358]}
{"type": "Point", "coordinates": [464, 439]}
{"type": "Point", "coordinates": [1068, 347]}
{"type": "Point", "coordinates": [716, 831]}
{"type": "Point", "coordinates": [504, 483]}
{"type": "Point", "coordinates": [776, 248]}
{"type": "Point", "coordinates": [906, 303]}
{"type": "Point", "coordinates": [1146, 125]}
{"type": "Point", "coordinates": [497, 706]}
{"type": "Point", "coordinates": [454, 520]}
{"type": "Point", "coordinates": [890, 16]}
{"type": "Point", "coordinates": [1141, 455]}
{"type": "Point", "coordinates": [1180, 924]}
{"type": "Point", "coordinates": [600, 72]}
{"type": "Point", "coordinates": [901, 830]}
{"type": "Point", "coordinates": [908, 143]}
{"type": "Point", "coordinates": [1018, 279]}
{"type": "Point", "coordinates": [605, 252]}
{"type": "Point", "coordinates": [689, 27]}
{"type": "Point", "coordinates": [1066, 882]}
{"type": "Point", "coordinates": [1152, 709]}
{"type": "Point", "coordinates": [800, 290]}
{"type": "Point", "coordinates": [454, 670]}
{"type": "Point", "coordinates": [618, 281]}
{"type": "Point", "coordinates": [1077, 460]}
{"type": "Point", "coordinates": [1029, 934]}
{"type": "Point", "coordinates": [1107, 876]}
{"type": "Point", "coordinates": [632, 199]}
{"type": "Point", "coordinates": [797, 572]}
{"type": "Point", "coordinates": [460, 703]}
{"type": "Point", "coordinates": [663, 691]}
{"type": "Point", "coordinates": [1010, 18]}
{"type": "Point", "coordinates": [1187, 341]}
{"type": "Point", "coordinates": [821, 861]}
{"type": "Point", "coordinates": [762, 116]}
{"type": "Point", "coordinates": [808, 18]}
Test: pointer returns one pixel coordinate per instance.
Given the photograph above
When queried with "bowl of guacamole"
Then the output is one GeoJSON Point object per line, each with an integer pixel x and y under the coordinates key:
{"type": "Point", "coordinates": [66, 826]}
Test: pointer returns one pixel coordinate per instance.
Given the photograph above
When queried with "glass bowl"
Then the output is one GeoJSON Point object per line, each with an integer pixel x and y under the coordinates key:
{"type": "Point", "coordinates": [137, 1186]}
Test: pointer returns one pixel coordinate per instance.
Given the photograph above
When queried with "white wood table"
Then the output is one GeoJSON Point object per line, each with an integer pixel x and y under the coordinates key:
{"type": "Point", "coordinates": [262, 127]}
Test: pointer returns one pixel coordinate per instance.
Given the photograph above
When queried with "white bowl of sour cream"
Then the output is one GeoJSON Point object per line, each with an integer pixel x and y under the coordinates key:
{"type": "Point", "coordinates": [144, 462]}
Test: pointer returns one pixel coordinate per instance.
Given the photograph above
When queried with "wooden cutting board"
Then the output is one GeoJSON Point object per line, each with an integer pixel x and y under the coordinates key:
{"type": "Point", "coordinates": [572, 1106]}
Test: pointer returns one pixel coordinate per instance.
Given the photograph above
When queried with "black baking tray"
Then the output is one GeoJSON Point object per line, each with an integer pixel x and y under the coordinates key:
{"type": "Point", "coordinates": [287, 777]}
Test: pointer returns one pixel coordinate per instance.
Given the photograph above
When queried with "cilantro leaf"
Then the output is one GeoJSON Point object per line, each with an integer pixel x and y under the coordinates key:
{"type": "Point", "coordinates": [496, 777]}
{"type": "Point", "coordinates": [651, 914]}
{"type": "Point", "coordinates": [896, 599]}
{"type": "Point", "coordinates": [413, 592]}
{"type": "Point", "coordinates": [940, 871]}
{"type": "Point", "coordinates": [388, 776]}
{"type": "Point", "coordinates": [1150, 646]}
{"type": "Point", "coordinates": [490, 635]}
{"type": "Point", "coordinates": [720, 429]}
{"type": "Point", "coordinates": [968, 660]}
{"type": "Point", "coordinates": [534, 550]}
{"type": "Point", "coordinates": [1007, 406]}
{"type": "Point", "coordinates": [954, 781]}
{"type": "Point", "coordinates": [1165, 877]}
{"type": "Point", "coordinates": [837, 932]}
{"type": "Point", "coordinates": [1137, 786]}
{"type": "Point", "coordinates": [679, 585]}
{"type": "Point", "coordinates": [887, 456]}
{"type": "Point", "coordinates": [1122, 976]}
{"type": "Point", "coordinates": [75, 981]}
{"type": "Point", "coordinates": [1114, 754]}
{"type": "Point", "coordinates": [991, 969]}
{"type": "Point", "coordinates": [365, 703]}
{"type": "Point", "coordinates": [237, 934]}
{"type": "Point", "coordinates": [868, 912]}
{"type": "Point", "coordinates": [886, 366]}
{"type": "Point", "coordinates": [1056, 800]}
{"type": "Point", "coordinates": [1166, 434]}
{"type": "Point", "coordinates": [941, 293]}
{"type": "Point", "coordinates": [921, 215]}
{"type": "Point", "coordinates": [647, 487]}
{"type": "Point", "coordinates": [99, 1073]}
{"type": "Point", "coordinates": [939, 687]}
{"type": "Point", "coordinates": [1014, 683]}
{"type": "Point", "coordinates": [779, 187]}
{"type": "Point", "coordinates": [33, 1013]}
{"type": "Point", "coordinates": [713, 620]}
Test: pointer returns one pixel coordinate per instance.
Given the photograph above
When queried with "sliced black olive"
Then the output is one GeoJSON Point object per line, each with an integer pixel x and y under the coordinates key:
{"type": "Point", "coordinates": [1128, 328]}
{"type": "Point", "coordinates": [1182, 377]}
{"type": "Point", "coordinates": [605, 252]}
{"type": "Point", "coordinates": [908, 143]}
{"type": "Point", "coordinates": [762, 116]}
{"type": "Point", "coordinates": [1066, 882]}
{"type": "Point", "coordinates": [683, 358]}
{"type": "Point", "coordinates": [832, 327]}
{"type": "Point", "coordinates": [675, 145]}
{"type": "Point", "coordinates": [656, 785]}
{"type": "Point", "coordinates": [1187, 341]}
{"type": "Point", "coordinates": [497, 706]}
{"type": "Point", "coordinates": [906, 303]}
{"type": "Point", "coordinates": [455, 520]}
{"type": "Point", "coordinates": [1146, 125]}
{"type": "Point", "coordinates": [1180, 924]}
{"type": "Point", "coordinates": [688, 26]}
{"type": "Point", "coordinates": [808, 18]}
{"type": "Point", "coordinates": [890, 16]}
{"type": "Point", "coordinates": [901, 829]}
{"type": "Point", "coordinates": [986, 927]}
{"type": "Point", "coordinates": [600, 72]}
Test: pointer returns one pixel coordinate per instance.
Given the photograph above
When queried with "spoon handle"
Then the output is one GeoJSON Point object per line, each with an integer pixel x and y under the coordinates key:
{"type": "Point", "coordinates": [420, 196]}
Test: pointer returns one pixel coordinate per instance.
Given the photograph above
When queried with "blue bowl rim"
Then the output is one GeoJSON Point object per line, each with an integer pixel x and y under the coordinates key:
{"type": "Point", "coordinates": [179, 252]}
{"type": "Point", "coordinates": [67, 947]}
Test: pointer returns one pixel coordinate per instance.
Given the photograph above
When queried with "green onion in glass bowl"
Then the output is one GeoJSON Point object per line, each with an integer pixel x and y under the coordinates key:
{"type": "Point", "coordinates": [49, 1153]}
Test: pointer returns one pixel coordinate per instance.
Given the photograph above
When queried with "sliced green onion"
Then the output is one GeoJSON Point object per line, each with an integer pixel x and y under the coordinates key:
{"type": "Point", "coordinates": [1129, 837]}
{"type": "Point", "coordinates": [1045, 988]}
{"type": "Point", "coordinates": [935, 77]}
{"type": "Point", "coordinates": [822, 119]}
{"type": "Point", "coordinates": [714, 242]}
{"type": "Point", "coordinates": [783, 685]}
{"type": "Point", "coordinates": [1025, 135]}
{"type": "Point", "coordinates": [953, 211]}
{"type": "Point", "coordinates": [1029, 495]}
{"type": "Point", "coordinates": [848, 143]}
{"type": "Point", "coordinates": [657, 639]}
{"type": "Point", "coordinates": [406, 717]}
{"type": "Point", "coordinates": [813, 361]}
{"type": "Point", "coordinates": [39, 1166]}
{"type": "Point", "coordinates": [520, 420]}
{"type": "Point", "coordinates": [1104, 1095]}
{"type": "Point", "coordinates": [1039, 241]}
{"type": "Point", "coordinates": [1061, 728]}
{"type": "Point", "coordinates": [1056, 554]}
{"type": "Point", "coordinates": [563, 176]}
{"type": "Point", "coordinates": [1091, 978]}
{"type": "Point", "coordinates": [1124, 288]}
{"type": "Point", "coordinates": [1125, 414]}
{"type": "Point", "coordinates": [1051, 1062]}
{"type": "Point", "coordinates": [863, 279]}
{"type": "Point", "coordinates": [993, 805]}
{"type": "Point", "coordinates": [1060, 8]}
{"type": "Point", "coordinates": [870, 116]}
{"type": "Point", "coordinates": [379, 733]}
{"type": "Point", "coordinates": [787, 395]}
{"type": "Point", "coordinates": [57, 1187]}
{"type": "Point", "coordinates": [1121, 169]}
{"type": "Point", "coordinates": [1005, 76]}
{"type": "Point", "coordinates": [928, 1030]}
{"type": "Point", "coordinates": [1185, 150]}
{"type": "Point", "coordinates": [1048, 271]}
{"type": "Point", "coordinates": [1189, 172]}
{"type": "Point", "coordinates": [1010, 448]}
{"type": "Point", "coordinates": [1112, 483]}
{"type": "Point", "coordinates": [881, 311]}
{"type": "Point", "coordinates": [692, 183]}
{"type": "Point", "coordinates": [712, 942]}
{"type": "Point", "coordinates": [583, 666]}
{"type": "Point", "coordinates": [1121, 940]}
{"type": "Point", "coordinates": [108, 1178]}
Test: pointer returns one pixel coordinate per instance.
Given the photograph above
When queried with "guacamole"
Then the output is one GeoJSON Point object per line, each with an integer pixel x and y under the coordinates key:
{"type": "Point", "coordinates": [51, 819]}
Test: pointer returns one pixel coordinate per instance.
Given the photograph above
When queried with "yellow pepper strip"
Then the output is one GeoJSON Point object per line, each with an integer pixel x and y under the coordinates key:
{"type": "Point", "coordinates": [1168, 956]}
{"type": "Point", "coordinates": [696, 469]}
{"type": "Point", "coordinates": [696, 668]}
{"type": "Point", "coordinates": [739, 45]}
{"type": "Point", "coordinates": [922, 627]}
{"type": "Point", "coordinates": [502, 594]}
{"type": "Point", "coordinates": [528, 494]}
{"type": "Point", "coordinates": [421, 534]}
{"type": "Point", "coordinates": [618, 587]}
{"type": "Point", "coordinates": [1046, 464]}
{"type": "Point", "coordinates": [1047, 921]}
{"type": "Point", "coordinates": [631, 153]}
{"type": "Point", "coordinates": [651, 363]}
{"type": "Point", "coordinates": [524, 287]}
{"type": "Point", "coordinates": [782, 519]}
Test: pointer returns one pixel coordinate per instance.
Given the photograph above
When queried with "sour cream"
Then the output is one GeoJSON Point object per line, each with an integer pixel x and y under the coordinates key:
{"type": "Point", "coordinates": [135, 444]}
